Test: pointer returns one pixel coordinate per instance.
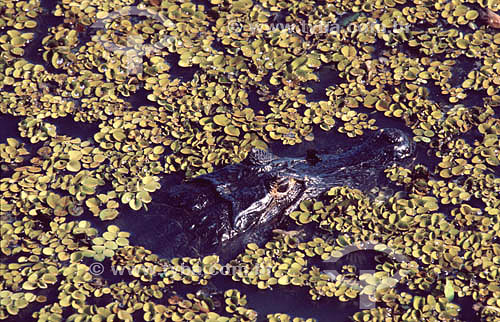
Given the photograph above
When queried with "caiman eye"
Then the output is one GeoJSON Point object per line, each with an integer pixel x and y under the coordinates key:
{"type": "Point", "coordinates": [281, 187]}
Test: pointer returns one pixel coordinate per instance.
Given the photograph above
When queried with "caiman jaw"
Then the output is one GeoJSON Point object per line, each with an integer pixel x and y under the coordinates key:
{"type": "Point", "coordinates": [283, 194]}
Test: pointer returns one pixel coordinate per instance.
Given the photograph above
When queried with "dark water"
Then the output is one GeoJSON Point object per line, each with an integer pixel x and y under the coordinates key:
{"type": "Point", "coordinates": [8, 127]}
{"type": "Point", "coordinates": [294, 301]}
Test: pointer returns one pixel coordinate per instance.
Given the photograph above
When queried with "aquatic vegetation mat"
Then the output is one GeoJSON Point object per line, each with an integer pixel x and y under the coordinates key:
{"type": "Point", "coordinates": [187, 87]}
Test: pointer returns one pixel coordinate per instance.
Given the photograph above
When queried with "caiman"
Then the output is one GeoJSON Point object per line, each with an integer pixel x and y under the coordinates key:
{"type": "Point", "coordinates": [222, 211]}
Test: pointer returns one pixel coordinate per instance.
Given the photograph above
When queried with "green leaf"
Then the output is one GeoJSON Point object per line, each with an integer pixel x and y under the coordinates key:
{"type": "Point", "coordinates": [298, 62]}
{"type": "Point", "coordinates": [135, 203]}
{"type": "Point", "coordinates": [259, 144]}
{"type": "Point", "coordinates": [108, 214]}
{"type": "Point", "coordinates": [221, 120]}
{"type": "Point", "coordinates": [232, 130]}
{"type": "Point", "coordinates": [449, 292]}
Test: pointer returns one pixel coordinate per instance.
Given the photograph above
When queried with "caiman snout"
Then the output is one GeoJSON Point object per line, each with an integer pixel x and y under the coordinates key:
{"type": "Point", "coordinates": [403, 146]}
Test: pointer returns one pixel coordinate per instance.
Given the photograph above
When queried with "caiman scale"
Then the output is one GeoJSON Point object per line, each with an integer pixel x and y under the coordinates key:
{"type": "Point", "coordinates": [241, 203]}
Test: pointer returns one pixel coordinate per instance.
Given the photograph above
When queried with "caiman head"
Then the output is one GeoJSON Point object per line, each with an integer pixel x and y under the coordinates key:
{"type": "Point", "coordinates": [265, 188]}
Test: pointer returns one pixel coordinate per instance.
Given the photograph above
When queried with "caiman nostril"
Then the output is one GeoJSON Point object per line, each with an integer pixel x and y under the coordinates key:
{"type": "Point", "coordinates": [312, 157]}
{"type": "Point", "coordinates": [402, 144]}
